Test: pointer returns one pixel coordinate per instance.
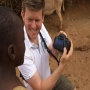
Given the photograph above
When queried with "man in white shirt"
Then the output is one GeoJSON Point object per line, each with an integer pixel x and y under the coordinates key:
{"type": "Point", "coordinates": [35, 69]}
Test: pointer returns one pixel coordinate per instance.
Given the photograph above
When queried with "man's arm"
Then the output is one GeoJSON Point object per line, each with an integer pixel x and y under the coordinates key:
{"type": "Point", "coordinates": [37, 84]}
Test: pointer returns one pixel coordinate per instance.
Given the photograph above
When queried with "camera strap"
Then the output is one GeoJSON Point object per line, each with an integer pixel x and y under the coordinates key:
{"type": "Point", "coordinates": [48, 50]}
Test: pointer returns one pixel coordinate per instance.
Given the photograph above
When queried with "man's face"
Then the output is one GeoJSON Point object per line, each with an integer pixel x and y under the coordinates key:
{"type": "Point", "coordinates": [33, 21]}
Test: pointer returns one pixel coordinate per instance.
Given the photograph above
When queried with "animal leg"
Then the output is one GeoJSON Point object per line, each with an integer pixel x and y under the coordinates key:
{"type": "Point", "coordinates": [60, 17]}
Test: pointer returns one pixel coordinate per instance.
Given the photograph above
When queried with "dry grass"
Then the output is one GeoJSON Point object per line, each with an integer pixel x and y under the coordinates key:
{"type": "Point", "coordinates": [16, 4]}
{"type": "Point", "coordinates": [13, 4]}
{"type": "Point", "coordinates": [73, 3]}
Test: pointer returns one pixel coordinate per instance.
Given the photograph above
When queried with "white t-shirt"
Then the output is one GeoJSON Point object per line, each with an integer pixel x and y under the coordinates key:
{"type": "Point", "coordinates": [36, 57]}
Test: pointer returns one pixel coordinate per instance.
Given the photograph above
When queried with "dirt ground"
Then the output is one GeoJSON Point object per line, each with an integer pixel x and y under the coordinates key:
{"type": "Point", "coordinates": [76, 23]}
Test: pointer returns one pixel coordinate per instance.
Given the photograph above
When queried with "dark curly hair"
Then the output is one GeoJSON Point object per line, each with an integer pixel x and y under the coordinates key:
{"type": "Point", "coordinates": [9, 27]}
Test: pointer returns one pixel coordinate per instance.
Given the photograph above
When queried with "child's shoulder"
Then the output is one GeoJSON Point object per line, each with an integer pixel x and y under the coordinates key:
{"type": "Point", "coordinates": [19, 88]}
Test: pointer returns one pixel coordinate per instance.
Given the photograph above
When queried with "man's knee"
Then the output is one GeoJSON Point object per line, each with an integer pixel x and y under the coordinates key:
{"type": "Point", "coordinates": [68, 86]}
{"type": "Point", "coordinates": [66, 83]}
{"type": "Point", "coordinates": [63, 83]}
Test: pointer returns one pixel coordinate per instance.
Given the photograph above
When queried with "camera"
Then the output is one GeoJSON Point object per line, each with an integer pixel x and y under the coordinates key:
{"type": "Point", "coordinates": [60, 42]}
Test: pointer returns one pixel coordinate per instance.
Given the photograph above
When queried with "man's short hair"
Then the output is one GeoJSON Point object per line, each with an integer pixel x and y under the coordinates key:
{"type": "Point", "coordinates": [33, 5]}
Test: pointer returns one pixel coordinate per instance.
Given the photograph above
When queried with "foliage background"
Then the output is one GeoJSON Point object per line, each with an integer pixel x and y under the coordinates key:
{"type": "Point", "coordinates": [16, 4]}
{"type": "Point", "coordinates": [13, 4]}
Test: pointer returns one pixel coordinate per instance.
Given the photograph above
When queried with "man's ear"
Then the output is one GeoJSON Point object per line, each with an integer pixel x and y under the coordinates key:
{"type": "Point", "coordinates": [43, 17]}
{"type": "Point", "coordinates": [22, 14]}
{"type": "Point", "coordinates": [11, 52]}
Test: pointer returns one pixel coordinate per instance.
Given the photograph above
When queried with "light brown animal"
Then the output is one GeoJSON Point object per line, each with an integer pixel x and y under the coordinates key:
{"type": "Point", "coordinates": [54, 5]}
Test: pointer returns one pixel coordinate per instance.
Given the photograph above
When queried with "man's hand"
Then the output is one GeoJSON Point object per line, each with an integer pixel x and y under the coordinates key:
{"type": "Point", "coordinates": [66, 57]}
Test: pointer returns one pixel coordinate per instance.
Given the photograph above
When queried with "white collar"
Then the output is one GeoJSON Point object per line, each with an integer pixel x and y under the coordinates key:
{"type": "Point", "coordinates": [28, 42]}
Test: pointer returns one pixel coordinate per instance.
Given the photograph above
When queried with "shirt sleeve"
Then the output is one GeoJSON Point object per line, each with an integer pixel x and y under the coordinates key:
{"type": "Point", "coordinates": [28, 69]}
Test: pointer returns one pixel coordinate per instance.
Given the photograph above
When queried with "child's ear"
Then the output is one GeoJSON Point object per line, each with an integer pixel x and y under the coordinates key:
{"type": "Point", "coordinates": [11, 52]}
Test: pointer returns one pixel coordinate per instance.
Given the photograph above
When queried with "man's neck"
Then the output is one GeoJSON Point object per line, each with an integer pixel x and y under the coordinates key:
{"type": "Point", "coordinates": [34, 40]}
